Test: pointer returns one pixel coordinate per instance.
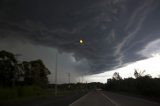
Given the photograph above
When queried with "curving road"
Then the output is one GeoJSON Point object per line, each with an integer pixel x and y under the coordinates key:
{"type": "Point", "coordinates": [101, 98]}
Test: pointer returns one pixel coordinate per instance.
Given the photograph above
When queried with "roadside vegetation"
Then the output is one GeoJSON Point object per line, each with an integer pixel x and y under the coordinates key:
{"type": "Point", "coordinates": [141, 84]}
{"type": "Point", "coordinates": [21, 79]}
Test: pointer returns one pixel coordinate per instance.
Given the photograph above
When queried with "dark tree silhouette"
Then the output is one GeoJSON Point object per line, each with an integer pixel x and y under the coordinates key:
{"type": "Point", "coordinates": [116, 76]}
{"type": "Point", "coordinates": [30, 73]}
{"type": "Point", "coordinates": [8, 68]}
{"type": "Point", "coordinates": [141, 84]}
{"type": "Point", "coordinates": [138, 74]}
{"type": "Point", "coordinates": [38, 73]}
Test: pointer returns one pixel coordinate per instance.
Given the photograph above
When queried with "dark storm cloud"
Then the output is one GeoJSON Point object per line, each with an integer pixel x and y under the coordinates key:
{"type": "Point", "coordinates": [113, 30]}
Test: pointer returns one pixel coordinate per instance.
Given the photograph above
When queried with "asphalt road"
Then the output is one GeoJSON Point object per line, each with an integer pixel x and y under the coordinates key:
{"type": "Point", "coordinates": [93, 98]}
{"type": "Point", "coordinates": [103, 98]}
{"type": "Point", "coordinates": [47, 101]}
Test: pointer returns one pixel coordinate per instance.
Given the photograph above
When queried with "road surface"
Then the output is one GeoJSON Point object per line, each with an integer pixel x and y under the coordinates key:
{"type": "Point", "coordinates": [47, 101]}
{"type": "Point", "coordinates": [93, 98]}
{"type": "Point", "coordinates": [101, 98]}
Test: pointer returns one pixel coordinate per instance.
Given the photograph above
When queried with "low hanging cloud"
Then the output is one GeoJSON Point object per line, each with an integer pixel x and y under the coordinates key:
{"type": "Point", "coordinates": [113, 30]}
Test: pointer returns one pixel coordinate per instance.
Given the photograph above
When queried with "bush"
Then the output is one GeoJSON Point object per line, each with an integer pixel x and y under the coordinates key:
{"type": "Point", "coordinates": [20, 91]}
{"type": "Point", "coordinates": [141, 85]}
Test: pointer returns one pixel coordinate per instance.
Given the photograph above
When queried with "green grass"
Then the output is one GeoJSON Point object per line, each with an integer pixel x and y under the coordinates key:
{"type": "Point", "coordinates": [21, 92]}
{"type": "Point", "coordinates": [25, 93]}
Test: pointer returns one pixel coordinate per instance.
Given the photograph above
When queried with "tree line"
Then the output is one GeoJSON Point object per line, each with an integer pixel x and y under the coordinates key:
{"type": "Point", "coordinates": [14, 72]}
{"type": "Point", "coordinates": [141, 84]}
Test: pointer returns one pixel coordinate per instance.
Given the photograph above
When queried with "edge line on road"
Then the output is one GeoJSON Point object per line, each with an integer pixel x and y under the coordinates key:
{"type": "Point", "coordinates": [112, 101]}
{"type": "Point", "coordinates": [78, 99]}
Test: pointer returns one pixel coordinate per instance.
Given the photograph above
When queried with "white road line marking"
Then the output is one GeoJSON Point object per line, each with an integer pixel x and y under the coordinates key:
{"type": "Point", "coordinates": [112, 101]}
{"type": "Point", "coordinates": [72, 104]}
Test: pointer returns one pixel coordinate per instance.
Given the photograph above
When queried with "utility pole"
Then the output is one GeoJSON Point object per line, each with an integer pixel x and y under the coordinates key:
{"type": "Point", "coordinates": [17, 69]}
{"type": "Point", "coordinates": [82, 78]}
{"type": "Point", "coordinates": [56, 89]}
{"type": "Point", "coordinates": [69, 76]}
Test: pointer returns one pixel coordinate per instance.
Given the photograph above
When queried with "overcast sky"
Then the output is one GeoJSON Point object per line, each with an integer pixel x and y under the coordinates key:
{"type": "Point", "coordinates": [116, 33]}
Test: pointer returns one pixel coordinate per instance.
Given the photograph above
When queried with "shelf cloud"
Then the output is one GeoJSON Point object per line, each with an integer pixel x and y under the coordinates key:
{"type": "Point", "coordinates": [113, 31]}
